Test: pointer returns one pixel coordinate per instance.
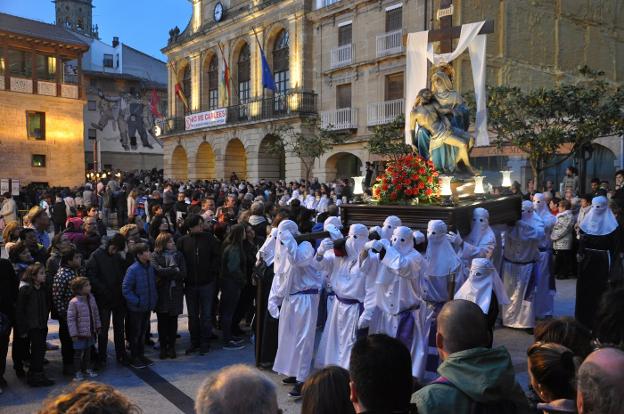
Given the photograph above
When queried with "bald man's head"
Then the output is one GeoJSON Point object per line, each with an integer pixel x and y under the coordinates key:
{"type": "Point", "coordinates": [461, 325]}
{"type": "Point", "coordinates": [600, 382]}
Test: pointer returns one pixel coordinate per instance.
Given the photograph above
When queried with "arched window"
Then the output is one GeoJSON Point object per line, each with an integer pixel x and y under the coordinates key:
{"type": "Point", "coordinates": [281, 67]}
{"type": "Point", "coordinates": [243, 72]}
{"type": "Point", "coordinates": [213, 83]}
{"type": "Point", "coordinates": [186, 84]}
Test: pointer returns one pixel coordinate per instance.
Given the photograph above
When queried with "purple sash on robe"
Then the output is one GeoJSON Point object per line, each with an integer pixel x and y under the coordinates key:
{"type": "Point", "coordinates": [405, 331]}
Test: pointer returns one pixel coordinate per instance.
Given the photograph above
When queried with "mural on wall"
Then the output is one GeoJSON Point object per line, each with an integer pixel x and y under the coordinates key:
{"type": "Point", "coordinates": [123, 123]}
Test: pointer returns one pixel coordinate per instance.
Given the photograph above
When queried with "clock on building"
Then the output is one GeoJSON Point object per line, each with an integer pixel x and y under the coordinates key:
{"type": "Point", "coordinates": [218, 12]}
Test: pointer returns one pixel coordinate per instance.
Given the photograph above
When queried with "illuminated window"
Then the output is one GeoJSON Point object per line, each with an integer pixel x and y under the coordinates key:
{"type": "Point", "coordinates": [46, 67]}
{"type": "Point", "coordinates": [35, 125]}
{"type": "Point", "coordinates": [38, 160]}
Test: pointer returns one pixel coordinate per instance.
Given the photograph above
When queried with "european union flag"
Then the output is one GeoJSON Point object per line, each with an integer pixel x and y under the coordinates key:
{"type": "Point", "coordinates": [267, 76]}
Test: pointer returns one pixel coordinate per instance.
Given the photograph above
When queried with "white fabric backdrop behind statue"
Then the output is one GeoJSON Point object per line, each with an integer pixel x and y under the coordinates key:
{"type": "Point", "coordinates": [419, 50]}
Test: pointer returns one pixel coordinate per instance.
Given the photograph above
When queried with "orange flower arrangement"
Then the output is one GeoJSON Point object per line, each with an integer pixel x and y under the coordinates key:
{"type": "Point", "coordinates": [406, 179]}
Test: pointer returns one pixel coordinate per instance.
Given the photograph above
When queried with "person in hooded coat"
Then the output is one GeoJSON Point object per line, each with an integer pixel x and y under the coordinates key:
{"type": "Point", "coordinates": [442, 277]}
{"type": "Point", "coordinates": [402, 312]}
{"type": "Point", "coordinates": [485, 288]}
{"type": "Point", "coordinates": [298, 295]}
{"type": "Point", "coordinates": [598, 251]}
{"type": "Point", "coordinates": [352, 278]}
{"type": "Point", "coordinates": [521, 253]}
{"type": "Point", "coordinates": [545, 293]}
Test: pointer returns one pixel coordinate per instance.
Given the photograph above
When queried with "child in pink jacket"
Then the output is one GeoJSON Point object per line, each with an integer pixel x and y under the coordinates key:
{"type": "Point", "coordinates": [83, 321]}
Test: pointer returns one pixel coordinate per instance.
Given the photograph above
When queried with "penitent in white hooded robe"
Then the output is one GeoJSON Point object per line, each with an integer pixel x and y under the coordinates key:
{"type": "Point", "coordinates": [402, 312]}
{"type": "Point", "coordinates": [298, 296]}
{"type": "Point", "coordinates": [483, 280]}
{"type": "Point", "coordinates": [545, 290]}
{"type": "Point", "coordinates": [520, 255]}
{"type": "Point", "coordinates": [352, 278]}
{"type": "Point", "coordinates": [481, 241]}
{"type": "Point", "coordinates": [333, 225]}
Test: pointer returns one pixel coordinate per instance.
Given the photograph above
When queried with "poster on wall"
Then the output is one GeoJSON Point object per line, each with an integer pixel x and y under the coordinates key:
{"type": "Point", "coordinates": [122, 122]}
{"type": "Point", "coordinates": [4, 185]}
{"type": "Point", "coordinates": [15, 187]}
{"type": "Point", "coordinates": [206, 119]}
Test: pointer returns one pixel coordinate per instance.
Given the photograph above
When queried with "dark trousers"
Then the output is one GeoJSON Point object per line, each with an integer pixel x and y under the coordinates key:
{"type": "Point", "coordinates": [245, 305]}
{"type": "Point", "coordinates": [137, 327]}
{"type": "Point", "coordinates": [59, 227]}
{"type": "Point", "coordinates": [37, 341]}
{"type": "Point", "coordinates": [167, 329]}
{"type": "Point", "coordinates": [230, 293]}
{"type": "Point", "coordinates": [18, 351]}
{"type": "Point", "coordinates": [82, 359]}
{"type": "Point", "coordinates": [266, 328]}
{"type": "Point", "coordinates": [118, 315]}
{"type": "Point", "coordinates": [199, 304]}
{"type": "Point", "coordinates": [565, 263]}
{"type": "Point", "coordinates": [67, 346]}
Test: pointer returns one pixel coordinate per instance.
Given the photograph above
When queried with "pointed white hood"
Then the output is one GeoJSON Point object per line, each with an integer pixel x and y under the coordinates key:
{"type": "Point", "coordinates": [482, 280]}
{"type": "Point", "coordinates": [599, 221]}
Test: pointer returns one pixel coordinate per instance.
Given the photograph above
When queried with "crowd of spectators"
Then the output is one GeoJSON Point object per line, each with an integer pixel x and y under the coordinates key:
{"type": "Point", "coordinates": [134, 245]}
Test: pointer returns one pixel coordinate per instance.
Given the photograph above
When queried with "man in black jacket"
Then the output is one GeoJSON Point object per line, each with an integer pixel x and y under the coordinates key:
{"type": "Point", "coordinates": [8, 299]}
{"type": "Point", "coordinates": [105, 270]}
{"type": "Point", "coordinates": [201, 252]}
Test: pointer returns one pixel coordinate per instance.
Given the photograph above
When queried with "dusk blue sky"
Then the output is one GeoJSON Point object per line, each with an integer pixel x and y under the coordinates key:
{"type": "Point", "coordinates": [142, 24]}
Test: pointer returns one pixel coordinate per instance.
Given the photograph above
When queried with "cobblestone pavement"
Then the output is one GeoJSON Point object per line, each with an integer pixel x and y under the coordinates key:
{"type": "Point", "coordinates": [170, 385]}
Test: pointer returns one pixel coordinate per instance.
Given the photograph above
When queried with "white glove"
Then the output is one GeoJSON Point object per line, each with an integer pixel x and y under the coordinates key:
{"type": "Point", "coordinates": [418, 237]}
{"type": "Point", "coordinates": [273, 310]}
{"type": "Point", "coordinates": [334, 232]}
{"type": "Point", "coordinates": [374, 245]}
{"type": "Point", "coordinates": [326, 244]}
{"type": "Point", "coordinates": [364, 320]}
{"type": "Point", "coordinates": [454, 238]}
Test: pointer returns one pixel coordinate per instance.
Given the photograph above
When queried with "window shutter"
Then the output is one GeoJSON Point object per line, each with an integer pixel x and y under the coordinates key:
{"type": "Point", "coordinates": [343, 96]}
{"type": "Point", "coordinates": [394, 19]}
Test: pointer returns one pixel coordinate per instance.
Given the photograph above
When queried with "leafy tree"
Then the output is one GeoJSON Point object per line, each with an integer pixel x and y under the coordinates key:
{"type": "Point", "coordinates": [388, 140]}
{"type": "Point", "coordinates": [539, 122]}
{"type": "Point", "coordinates": [308, 143]}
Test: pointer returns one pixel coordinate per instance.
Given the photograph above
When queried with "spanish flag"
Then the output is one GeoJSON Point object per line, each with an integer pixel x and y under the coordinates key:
{"type": "Point", "coordinates": [224, 84]}
{"type": "Point", "coordinates": [178, 87]}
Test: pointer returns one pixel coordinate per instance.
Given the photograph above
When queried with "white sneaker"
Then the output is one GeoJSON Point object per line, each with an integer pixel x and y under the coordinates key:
{"type": "Point", "coordinates": [78, 376]}
{"type": "Point", "coordinates": [90, 373]}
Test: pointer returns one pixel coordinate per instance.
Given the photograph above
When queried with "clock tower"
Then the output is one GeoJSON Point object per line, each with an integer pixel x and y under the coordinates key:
{"type": "Point", "coordinates": [76, 15]}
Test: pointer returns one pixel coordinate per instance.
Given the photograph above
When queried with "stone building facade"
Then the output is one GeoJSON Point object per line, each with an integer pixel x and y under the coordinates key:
{"type": "Point", "coordinates": [41, 102]}
{"type": "Point", "coordinates": [539, 44]}
{"type": "Point", "coordinates": [350, 56]}
{"type": "Point", "coordinates": [120, 83]}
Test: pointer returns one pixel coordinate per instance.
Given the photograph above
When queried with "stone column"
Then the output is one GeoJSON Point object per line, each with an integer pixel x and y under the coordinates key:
{"type": "Point", "coordinates": [195, 81]}
{"type": "Point", "coordinates": [295, 50]}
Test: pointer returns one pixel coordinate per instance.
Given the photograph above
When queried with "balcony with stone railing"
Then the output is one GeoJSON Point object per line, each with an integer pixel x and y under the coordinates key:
{"type": "Point", "coordinates": [380, 113]}
{"type": "Point", "coordinates": [342, 56]}
{"type": "Point", "coordinates": [390, 43]}
{"type": "Point", "coordinates": [339, 119]}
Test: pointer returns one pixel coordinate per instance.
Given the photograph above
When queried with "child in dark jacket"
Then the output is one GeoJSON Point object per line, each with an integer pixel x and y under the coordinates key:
{"type": "Point", "coordinates": [32, 321]}
{"type": "Point", "coordinates": [139, 290]}
{"type": "Point", "coordinates": [83, 322]}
